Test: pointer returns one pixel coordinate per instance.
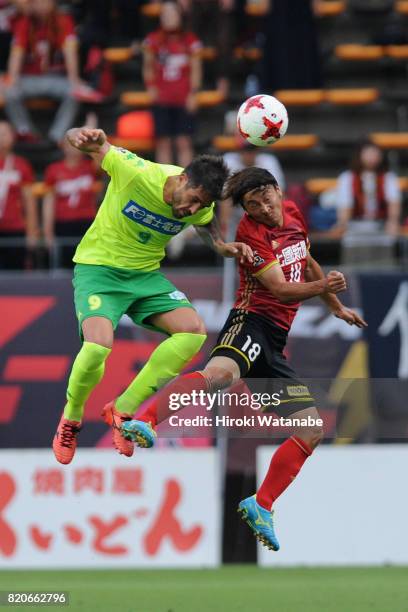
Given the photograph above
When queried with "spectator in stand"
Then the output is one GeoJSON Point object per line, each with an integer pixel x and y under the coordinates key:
{"type": "Point", "coordinates": [172, 73]}
{"type": "Point", "coordinates": [18, 208]}
{"type": "Point", "coordinates": [10, 12]}
{"type": "Point", "coordinates": [246, 156]}
{"type": "Point", "coordinates": [220, 24]}
{"type": "Point", "coordinates": [368, 195]}
{"type": "Point", "coordinates": [43, 62]}
{"type": "Point", "coordinates": [291, 58]}
{"type": "Point", "coordinates": [69, 205]}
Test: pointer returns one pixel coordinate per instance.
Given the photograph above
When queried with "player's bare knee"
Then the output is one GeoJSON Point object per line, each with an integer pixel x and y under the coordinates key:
{"type": "Point", "coordinates": [196, 326]}
{"type": "Point", "coordinates": [311, 435]}
{"type": "Point", "coordinates": [98, 331]}
{"type": "Point", "coordinates": [218, 378]}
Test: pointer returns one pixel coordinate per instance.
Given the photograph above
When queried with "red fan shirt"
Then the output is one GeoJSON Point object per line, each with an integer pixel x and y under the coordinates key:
{"type": "Point", "coordinates": [15, 173]}
{"type": "Point", "coordinates": [75, 198]}
{"type": "Point", "coordinates": [287, 245]}
{"type": "Point", "coordinates": [43, 42]}
{"type": "Point", "coordinates": [172, 52]}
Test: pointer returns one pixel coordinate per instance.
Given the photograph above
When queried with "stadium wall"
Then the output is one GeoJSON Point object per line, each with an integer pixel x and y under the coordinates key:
{"type": "Point", "coordinates": [347, 507]}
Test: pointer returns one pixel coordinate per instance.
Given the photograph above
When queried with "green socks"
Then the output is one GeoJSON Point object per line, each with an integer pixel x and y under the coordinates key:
{"type": "Point", "coordinates": [87, 371]}
{"type": "Point", "coordinates": [165, 363]}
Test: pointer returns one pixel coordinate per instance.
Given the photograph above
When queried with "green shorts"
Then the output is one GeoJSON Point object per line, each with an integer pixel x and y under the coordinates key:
{"type": "Point", "coordinates": [101, 291]}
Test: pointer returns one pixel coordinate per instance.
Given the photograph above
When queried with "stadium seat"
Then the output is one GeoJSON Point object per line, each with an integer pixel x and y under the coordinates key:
{"type": "Point", "coordinates": [43, 104]}
{"type": "Point", "coordinates": [40, 188]}
{"type": "Point", "coordinates": [118, 55]}
{"type": "Point", "coordinates": [138, 99]}
{"type": "Point", "coordinates": [292, 142]}
{"type": "Point", "coordinates": [208, 98]}
{"type": "Point", "coordinates": [142, 99]}
{"type": "Point", "coordinates": [151, 10]}
{"type": "Point", "coordinates": [326, 8]}
{"type": "Point", "coordinates": [300, 97]}
{"type": "Point", "coordinates": [362, 53]}
{"type": "Point", "coordinates": [390, 140]}
{"type": "Point", "coordinates": [397, 51]}
{"type": "Point", "coordinates": [401, 7]}
{"type": "Point", "coordinates": [318, 185]}
{"type": "Point", "coordinates": [257, 9]}
{"type": "Point", "coordinates": [351, 97]}
{"type": "Point", "coordinates": [252, 54]}
{"type": "Point", "coordinates": [136, 124]}
{"type": "Point", "coordinates": [403, 183]}
{"type": "Point", "coordinates": [208, 54]}
{"type": "Point", "coordinates": [138, 145]}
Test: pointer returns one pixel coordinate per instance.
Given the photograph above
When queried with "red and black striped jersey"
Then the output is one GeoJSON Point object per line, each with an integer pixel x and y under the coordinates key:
{"type": "Point", "coordinates": [287, 246]}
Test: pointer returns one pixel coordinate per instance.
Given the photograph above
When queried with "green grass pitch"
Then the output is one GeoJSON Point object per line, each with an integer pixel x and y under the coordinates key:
{"type": "Point", "coordinates": [228, 589]}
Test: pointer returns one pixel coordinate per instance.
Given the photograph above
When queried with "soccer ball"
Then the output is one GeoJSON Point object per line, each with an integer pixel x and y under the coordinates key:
{"type": "Point", "coordinates": [262, 120]}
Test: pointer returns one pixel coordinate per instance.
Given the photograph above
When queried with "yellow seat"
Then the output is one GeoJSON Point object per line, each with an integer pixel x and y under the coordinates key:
{"type": "Point", "coordinates": [41, 104]}
{"type": "Point", "coordinates": [318, 185]}
{"type": "Point", "coordinates": [209, 98]}
{"type": "Point", "coordinates": [292, 142]}
{"type": "Point", "coordinates": [403, 183]}
{"type": "Point", "coordinates": [397, 51]}
{"type": "Point", "coordinates": [300, 97]}
{"type": "Point", "coordinates": [390, 140]}
{"type": "Point", "coordinates": [330, 9]}
{"type": "Point", "coordinates": [296, 142]}
{"type": "Point", "coordinates": [133, 144]}
{"type": "Point", "coordinates": [39, 189]}
{"type": "Point", "coordinates": [352, 97]}
{"type": "Point", "coordinates": [401, 7]}
{"type": "Point", "coordinates": [118, 55]}
{"type": "Point", "coordinates": [354, 52]}
{"type": "Point", "coordinates": [140, 99]}
{"type": "Point", "coordinates": [251, 53]}
{"type": "Point", "coordinates": [151, 10]}
{"type": "Point", "coordinates": [257, 9]}
{"type": "Point", "coordinates": [208, 54]}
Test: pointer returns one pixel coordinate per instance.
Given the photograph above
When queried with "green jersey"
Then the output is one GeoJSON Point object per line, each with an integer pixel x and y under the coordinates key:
{"type": "Point", "coordinates": [134, 223]}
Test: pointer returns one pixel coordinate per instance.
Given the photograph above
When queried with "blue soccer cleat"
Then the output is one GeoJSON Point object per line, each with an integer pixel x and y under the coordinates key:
{"type": "Point", "coordinates": [139, 432]}
{"type": "Point", "coordinates": [260, 521]}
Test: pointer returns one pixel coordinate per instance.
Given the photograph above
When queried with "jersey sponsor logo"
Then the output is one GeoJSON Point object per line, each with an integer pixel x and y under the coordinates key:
{"type": "Point", "coordinates": [297, 390]}
{"type": "Point", "coordinates": [293, 253]}
{"type": "Point", "coordinates": [177, 295]}
{"type": "Point", "coordinates": [258, 260]}
{"type": "Point", "coordinates": [144, 237]}
{"type": "Point", "coordinates": [131, 157]}
{"type": "Point", "coordinates": [153, 221]}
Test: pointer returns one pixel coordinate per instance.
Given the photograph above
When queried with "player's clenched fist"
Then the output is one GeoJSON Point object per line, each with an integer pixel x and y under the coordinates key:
{"type": "Point", "coordinates": [335, 282]}
{"type": "Point", "coordinates": [89, 140]}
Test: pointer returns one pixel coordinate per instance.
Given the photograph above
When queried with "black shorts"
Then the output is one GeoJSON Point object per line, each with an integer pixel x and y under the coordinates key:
{"type": "Point", "coordinates": [171, 121]}
{"type": "Point", "coordinates": [256, 345]}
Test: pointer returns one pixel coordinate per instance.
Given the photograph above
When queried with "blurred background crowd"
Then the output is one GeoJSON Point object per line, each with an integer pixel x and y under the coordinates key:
{"type": "Point", "coordinates": [165, 79]}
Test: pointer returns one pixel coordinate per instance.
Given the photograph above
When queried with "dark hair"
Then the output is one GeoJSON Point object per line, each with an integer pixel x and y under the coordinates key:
{"type": "Point", "coordinates": [247, 180]}
{"type": "Point", "coordinates": [357, 166]}
{"type": "Point", "coordinates": [209, 172]}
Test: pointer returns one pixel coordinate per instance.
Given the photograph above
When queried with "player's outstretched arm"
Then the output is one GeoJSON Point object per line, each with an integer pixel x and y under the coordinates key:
{"type": "Point", "coordinates": [92, 141]}
{"type": "Point", "coordinates": [274, 280]}
{"type": "Point", "coordinates": [211, 235]}
{"type": "Point", "coordinates": [313, 273]}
